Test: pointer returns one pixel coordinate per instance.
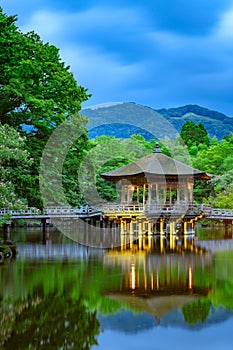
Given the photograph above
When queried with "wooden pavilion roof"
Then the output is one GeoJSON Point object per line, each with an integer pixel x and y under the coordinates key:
{"type": "Point", "coordinates": [155, 164]}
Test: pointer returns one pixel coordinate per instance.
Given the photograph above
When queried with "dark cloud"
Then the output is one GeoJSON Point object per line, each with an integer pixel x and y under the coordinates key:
{"type": "Point", "coordinates": [160, 53]}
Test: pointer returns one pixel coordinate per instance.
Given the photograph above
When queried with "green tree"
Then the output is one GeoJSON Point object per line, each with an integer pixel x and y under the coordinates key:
{"type": "Point", "coordinates": [36, 88]}
{"type": "Point", "coordinates": [107, 154]}
{"type": "Point", "coordinates": [194, 134]}
{"type": "Point", "coordinates": [15, 166]}
{"type": "Point", "coordinates": [223, 190]}
{"type": "Point", "coordinates": [37, 91]}
{"type": "Point", "coordinates": [216, 159]}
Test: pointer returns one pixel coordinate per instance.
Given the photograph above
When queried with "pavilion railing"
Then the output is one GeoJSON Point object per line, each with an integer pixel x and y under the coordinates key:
{"type": "Point", "coordinates": [156, 208]}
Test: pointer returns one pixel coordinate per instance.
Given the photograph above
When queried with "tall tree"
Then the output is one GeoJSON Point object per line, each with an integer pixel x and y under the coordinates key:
{"type": "Point", "coordinates": [194, 135]}
{"type": "Point", "coordinates": [37, 90]}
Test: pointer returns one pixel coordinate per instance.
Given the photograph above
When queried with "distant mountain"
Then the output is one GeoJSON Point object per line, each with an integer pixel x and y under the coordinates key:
{"type": "Point", "coordinates": [124, 119]}
{"type": "Point", "coordinates": [216, 123]}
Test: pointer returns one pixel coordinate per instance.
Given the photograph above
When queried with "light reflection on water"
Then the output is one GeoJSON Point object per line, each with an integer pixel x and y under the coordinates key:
{"type": "Point", "coordinates": [151, 292]}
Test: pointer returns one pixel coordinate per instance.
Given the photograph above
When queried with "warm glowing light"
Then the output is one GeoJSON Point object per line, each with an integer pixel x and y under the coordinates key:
{"type": "Point", "coordinates": [157, 280]}
{"type": "Point", "coordinates": [190, 278]}
{"type": "Point", "coordinates": [132, 279]}
{"type": "Point", "coordinates": [152, 281]}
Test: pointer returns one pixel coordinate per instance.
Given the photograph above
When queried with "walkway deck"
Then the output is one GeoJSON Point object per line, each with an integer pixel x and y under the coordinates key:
{"type": "Point", "coordinates": [117, 210]}
{"type": "Point", "coordinates": [49, 213]}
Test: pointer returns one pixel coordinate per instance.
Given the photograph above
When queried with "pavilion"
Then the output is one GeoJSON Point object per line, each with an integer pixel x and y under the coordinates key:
{"type": "Point", "coordinates": [157, 188]}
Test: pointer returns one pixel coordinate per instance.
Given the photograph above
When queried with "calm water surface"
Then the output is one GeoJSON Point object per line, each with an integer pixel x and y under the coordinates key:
{"type": "Point", "coordinates": [150, 294]}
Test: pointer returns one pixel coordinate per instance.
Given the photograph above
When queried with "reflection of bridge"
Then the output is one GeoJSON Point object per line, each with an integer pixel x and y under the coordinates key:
{"type": "Point", "coordinates": [55, 251]}
{"type": "Point", "coordinates": [217, 245]}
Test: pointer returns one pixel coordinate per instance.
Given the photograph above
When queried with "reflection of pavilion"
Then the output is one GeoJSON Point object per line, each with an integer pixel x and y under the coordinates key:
{"type": "Point", "coordinates": [156, 195]}
{"type": "Point", "coordinates": [156, 282]}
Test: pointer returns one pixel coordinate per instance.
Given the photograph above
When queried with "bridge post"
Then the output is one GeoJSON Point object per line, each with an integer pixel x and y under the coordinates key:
{"type": "Point", "coordinates": [161, 227]}
{"type": "Point", "coordinates": [228, 223]}
{"type": "Point", "coordinates": [45, 229]}
{"type": "Point", "coordinates": [7, 230]}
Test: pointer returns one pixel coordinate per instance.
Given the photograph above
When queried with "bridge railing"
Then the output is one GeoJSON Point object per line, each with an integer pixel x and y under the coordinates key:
{"type": "Point", "coordinates": [219, 212]}
{"type": "Point", "coordinates": [121, 208]}
{"type": "Point", "coordinates": [66, 210]}
{"type": "Point", "coordinates": [156, 208]}
{"type": "Point", "coordinates": [49, 211]}
{"type": "Point", "coordinates": [28, 211]}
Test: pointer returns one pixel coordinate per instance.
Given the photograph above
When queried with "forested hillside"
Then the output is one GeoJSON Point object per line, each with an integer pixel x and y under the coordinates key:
{"type": "Point", "coordinates": [216, 124]}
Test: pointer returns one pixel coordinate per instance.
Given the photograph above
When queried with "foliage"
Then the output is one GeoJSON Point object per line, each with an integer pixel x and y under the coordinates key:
{"type": "Point", "coordinates": [194, 135]}
{"type": "Point", "coordinates": [37, 89]}
{"type": "Point", "coordinates": [108, 153]}
{"type": "Point", "coordinates": [14, 169]}
{"type": "Point", "coordinates": [37, 93]}
{"type": "Point", "coordinates": [217, 158]}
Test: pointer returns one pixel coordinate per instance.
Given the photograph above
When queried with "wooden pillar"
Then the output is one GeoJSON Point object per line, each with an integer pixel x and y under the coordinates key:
{"type": "Point", "coordinates": [186, 194]}
{"type": "Point", "coordinates": [178, 194]}
{"type": "Point", "coordinates": [164, 193]}
{"type": "Point", "coordinates": [170, 195]}
{"type": "Point", "coordinates": [150, 228]}
{"type": "Point", "coordinates": [190, 192]}
{"type": "Point", "coordinates": [185, 228]}
{"type": "Point", "coordinates": [138, 194]}
{"type": "Point", "coordinates": [144, 194]}
{"type": "Point", "coordinates": [122, 193]}
{"type": "Point", "coordinates": [149, 194]}
{"type": "Point", "coordinates": [172, 228]}
{"type": "Point", "coordinates": [129, 195]}
{"type": "Point", "coordinates": [157, 193]}
{"type": "Point", "coordinates": [161, 228]}
{"type": "Point", "coordinates": [140, 229]}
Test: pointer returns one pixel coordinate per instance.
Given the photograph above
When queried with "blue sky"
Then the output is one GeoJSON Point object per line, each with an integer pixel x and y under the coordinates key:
{"type": "Point", "coordinates": [158, 53]}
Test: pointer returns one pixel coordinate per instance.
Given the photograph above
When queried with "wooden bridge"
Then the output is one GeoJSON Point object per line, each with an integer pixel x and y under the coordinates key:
{"type": "Point", "coordinates": [111, 209]}
{"type": "Point", "coordinates": [220, 214]}
{"type": "Point", "coordinates": [130, 218]}
{"type": "Point", "coordinates": [48, 213]}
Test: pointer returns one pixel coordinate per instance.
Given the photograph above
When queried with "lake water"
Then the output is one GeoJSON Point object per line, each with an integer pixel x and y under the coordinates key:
{"type": "Point", "coordinates": [152, 293]}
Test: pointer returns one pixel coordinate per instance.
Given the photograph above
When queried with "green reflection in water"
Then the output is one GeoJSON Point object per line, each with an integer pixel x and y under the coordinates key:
{"type": "Point", "coordinates": [51, 305]}
{"type": "Point", "coordinates": [54, 304]}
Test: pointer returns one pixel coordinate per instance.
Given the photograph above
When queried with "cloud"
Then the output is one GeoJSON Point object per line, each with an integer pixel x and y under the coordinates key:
{"type": "Point", "coordinates": [159, 53]}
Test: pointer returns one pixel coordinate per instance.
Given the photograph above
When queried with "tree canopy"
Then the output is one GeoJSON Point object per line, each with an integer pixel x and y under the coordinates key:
{"type": "Point", "coordinates": [36, 87]}
{"type": "Point", "coordinates": [194, 135]}
{"type": "Point", "coordinates": [38, 93]}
